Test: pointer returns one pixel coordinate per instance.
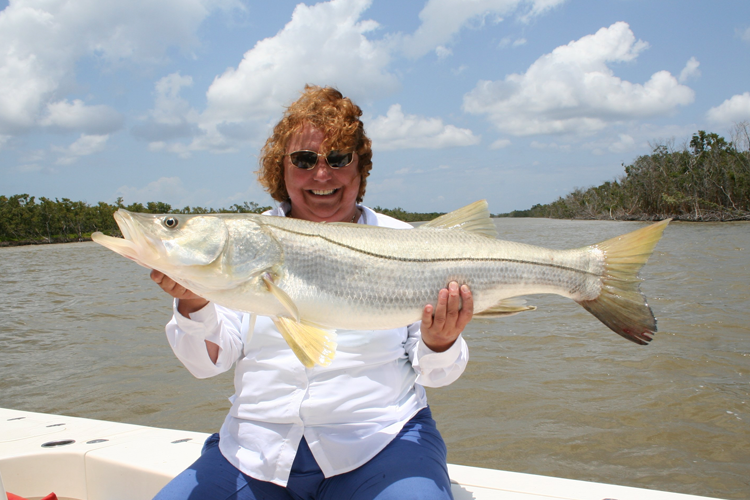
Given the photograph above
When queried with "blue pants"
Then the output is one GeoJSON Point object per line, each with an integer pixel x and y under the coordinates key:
{"type": "Point", "coordinates": [412, 467]}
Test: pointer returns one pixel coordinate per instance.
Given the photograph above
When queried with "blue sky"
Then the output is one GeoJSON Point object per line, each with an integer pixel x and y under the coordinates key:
{"type": "Point", "coordinates": [515, 101]}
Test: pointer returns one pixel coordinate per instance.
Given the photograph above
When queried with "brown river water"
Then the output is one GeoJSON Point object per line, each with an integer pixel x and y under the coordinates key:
{"type": "Point", "coordinates": [550, 392]}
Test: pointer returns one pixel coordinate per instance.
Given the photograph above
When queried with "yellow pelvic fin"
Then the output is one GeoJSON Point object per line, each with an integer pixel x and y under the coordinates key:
{"type": "Point", "coordinates": [506, 307]}
{"type": "Point", "coordinates": [620, 304]}
{"type": "Point", "coordinates": [474, 218]}
{"type": "Point", "coordinates": [285, 300]}
{"type": "Point", "coordinates": [311, 345]}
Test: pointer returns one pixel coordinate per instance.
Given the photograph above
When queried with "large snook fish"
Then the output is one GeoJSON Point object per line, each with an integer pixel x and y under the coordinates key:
{"type": "Point", "coordinates": [313, 277]}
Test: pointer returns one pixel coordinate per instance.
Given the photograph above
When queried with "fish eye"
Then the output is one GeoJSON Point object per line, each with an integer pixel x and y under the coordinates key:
{"type": "Point", "coordinates": [171, 222]}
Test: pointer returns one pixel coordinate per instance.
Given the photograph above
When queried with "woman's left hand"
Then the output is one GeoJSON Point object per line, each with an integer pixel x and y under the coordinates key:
{"type": "Point", "coordinates": [454, 310]}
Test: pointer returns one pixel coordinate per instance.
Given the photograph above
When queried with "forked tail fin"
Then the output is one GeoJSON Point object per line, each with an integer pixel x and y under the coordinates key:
{"type": "Point", "coordinates": [620, 304]}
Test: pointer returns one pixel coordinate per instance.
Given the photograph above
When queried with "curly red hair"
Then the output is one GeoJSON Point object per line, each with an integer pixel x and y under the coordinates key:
{"type": "Point", "coordinates": [326, 109]}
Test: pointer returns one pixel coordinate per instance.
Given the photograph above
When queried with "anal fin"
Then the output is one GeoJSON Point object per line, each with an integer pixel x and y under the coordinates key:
{"type": "Point", "coordinates": [506, 307]}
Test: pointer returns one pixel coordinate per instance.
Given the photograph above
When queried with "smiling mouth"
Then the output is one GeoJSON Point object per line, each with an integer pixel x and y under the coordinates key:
{"type": "Point", "coordinates": [323, 192]}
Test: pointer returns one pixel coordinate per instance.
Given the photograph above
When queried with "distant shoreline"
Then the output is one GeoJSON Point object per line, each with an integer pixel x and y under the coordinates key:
{"type": "Point", "coordinates": [702, 217]}
{"type": "Point", "coordinates": [642, 218]}
{"type": "Point", "coordinates": [26, 243]}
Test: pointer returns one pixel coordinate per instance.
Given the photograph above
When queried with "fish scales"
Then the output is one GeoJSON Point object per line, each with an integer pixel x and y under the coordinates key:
{"type": "Point", "coordinates": [387, 280]}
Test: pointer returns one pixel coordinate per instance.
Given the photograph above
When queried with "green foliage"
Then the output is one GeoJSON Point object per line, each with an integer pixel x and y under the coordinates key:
{"type": "Point", "coordinates": [710, 180]}
{"type": "Point", "coordinates": [24, 220]}
{"type": "Point", "coordinates": [401, 214]}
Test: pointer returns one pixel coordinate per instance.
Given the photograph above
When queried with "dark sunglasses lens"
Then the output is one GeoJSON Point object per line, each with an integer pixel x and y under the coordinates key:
{"type": "Point", "coordinates": [304, 159]}
{"type": "Point", "coordinates": [337, 159]}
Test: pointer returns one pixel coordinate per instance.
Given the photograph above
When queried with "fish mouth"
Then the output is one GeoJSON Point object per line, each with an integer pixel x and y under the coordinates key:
{"type": "Point", "coordinates": [132, 245]}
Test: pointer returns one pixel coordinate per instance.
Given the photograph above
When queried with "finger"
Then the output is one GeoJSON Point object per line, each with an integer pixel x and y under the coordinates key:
{"type": "Point", "coordinates": [454, 303]}
{"type": "Point", "coordinates": [181, 293]}
{"type": "Point", "coordinates": [168, 284]}
{"type": "Point", "coordinates": [467, 308]}
{"type": "Point", "coordinates": [427, 316]}
{"type": "Point", "coordinates": [178, 291]}
{"type": "Point", "coordinates": [157, 276]}
{"type": "Point", "coordinates": [171, 287]}
{"type": "Point", "coordinates": [441, 310]}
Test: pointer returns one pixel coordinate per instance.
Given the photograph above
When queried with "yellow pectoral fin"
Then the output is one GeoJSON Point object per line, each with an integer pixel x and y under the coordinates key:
{"type": "Point", "coordinates": [311, 345]}
{"type": "Point", "coordinates": [285, 300]}
{"type": "Point", "coordinates": [507, 307]}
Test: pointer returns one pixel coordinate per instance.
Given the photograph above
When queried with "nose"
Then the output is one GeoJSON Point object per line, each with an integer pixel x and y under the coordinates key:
{"type": "Point", "coordinates": [321, 171]}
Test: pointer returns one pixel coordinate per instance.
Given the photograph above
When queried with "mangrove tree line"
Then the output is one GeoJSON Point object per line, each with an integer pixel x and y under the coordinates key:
{"type": "Point", "coordinates": [708, 179]}
{"type": "Point", "coordinates": [25, 220]}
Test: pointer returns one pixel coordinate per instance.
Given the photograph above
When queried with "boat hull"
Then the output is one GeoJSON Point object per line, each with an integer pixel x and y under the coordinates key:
{"type": "Point", "coordinates": [85, 459]}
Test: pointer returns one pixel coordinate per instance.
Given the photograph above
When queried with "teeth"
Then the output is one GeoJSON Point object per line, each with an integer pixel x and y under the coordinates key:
{"type": "Point", "coordinates": [323, 193]}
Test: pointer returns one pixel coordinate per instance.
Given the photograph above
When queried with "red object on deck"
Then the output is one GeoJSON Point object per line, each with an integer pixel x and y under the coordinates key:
{"type": "Point", "coordinates": [51, 496]}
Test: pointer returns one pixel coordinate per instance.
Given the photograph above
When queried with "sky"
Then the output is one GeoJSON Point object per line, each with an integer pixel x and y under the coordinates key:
{"type": "Point", "coordinates": [514, 101]}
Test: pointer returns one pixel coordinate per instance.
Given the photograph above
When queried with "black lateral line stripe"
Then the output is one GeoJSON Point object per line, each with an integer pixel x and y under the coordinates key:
{"type": "Point", "coordinates": [444, 259]}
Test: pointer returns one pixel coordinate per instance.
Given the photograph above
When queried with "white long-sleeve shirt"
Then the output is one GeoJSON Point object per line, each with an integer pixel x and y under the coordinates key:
{"type": "Point", "coordinates": [347, 412]}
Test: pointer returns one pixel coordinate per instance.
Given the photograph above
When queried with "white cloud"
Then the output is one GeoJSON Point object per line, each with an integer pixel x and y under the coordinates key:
{"type": "Point", "coordinates": [624, 144]}
{"type": "Point", "coordinates": [572, 89]}
{"type": "Point", "coordinates": [443, 19]}
{"type": "Point", "coordinates": [42, 40]}
{"type": "Point", "coordinates": [169, 107]}
{"type": "Point", "coordinates": [165, 189]}
{"type": "Point", "coordinates": [85, 145]}
{"type": "Point", "coordinates": [733, 110]}
{"type": "Point", "coordinates": [396, 130]}
{"type": "Point", "coordinates": [443, 52]}
{"type": "Point", "coordinates": [31, 167]}
{"type": "Point", "coordinates": [744, 34]}
{"type": "Point", "coordinates": [66, 116]}
{"type": "Point", "coordinates": [504, 42]}
{"type": "Point", "coordinates": [323, 44]}
{"type": "Point", "coordinates": [171, 117]}
{"type": "Point", "coordinates": [500, 144]}
{"type": "Point", "coordinates": [459, 70]}
{"type": "Point", "coordinates": [182, 150]}
{"type": "Point", "coordinates": [509, 42]}
{"type": "Point", "coordinates": [690, 70]}
{"type": "Point", "coordinates": [551, 145]}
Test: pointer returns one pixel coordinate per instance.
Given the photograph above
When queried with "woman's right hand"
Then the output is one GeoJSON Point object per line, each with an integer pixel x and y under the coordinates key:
{"type": "Point", "coordinates": [188, 303]}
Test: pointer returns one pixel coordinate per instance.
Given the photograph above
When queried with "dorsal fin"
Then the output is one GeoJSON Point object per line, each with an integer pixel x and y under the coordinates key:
{"type": "Point", "coordinates": [474, 218]}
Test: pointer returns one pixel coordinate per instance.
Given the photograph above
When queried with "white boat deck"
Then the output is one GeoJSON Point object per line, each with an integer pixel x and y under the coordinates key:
{"type": "Point", "coordinates": [86, 459]}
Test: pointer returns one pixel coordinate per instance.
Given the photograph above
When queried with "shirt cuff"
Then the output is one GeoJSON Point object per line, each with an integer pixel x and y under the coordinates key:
{"type": "Point", "coordinates": [431, 360]}
{"type": "Point", "coordinates": [203, 323]}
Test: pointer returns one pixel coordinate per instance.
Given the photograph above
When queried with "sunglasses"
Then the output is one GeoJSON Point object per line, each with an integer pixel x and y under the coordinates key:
{"type": "Point", "coordinates": [306, 160]}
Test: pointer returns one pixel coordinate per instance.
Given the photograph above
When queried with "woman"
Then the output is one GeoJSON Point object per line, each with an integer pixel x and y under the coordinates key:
{"type": "Point", "coordinates": [357, 429]}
